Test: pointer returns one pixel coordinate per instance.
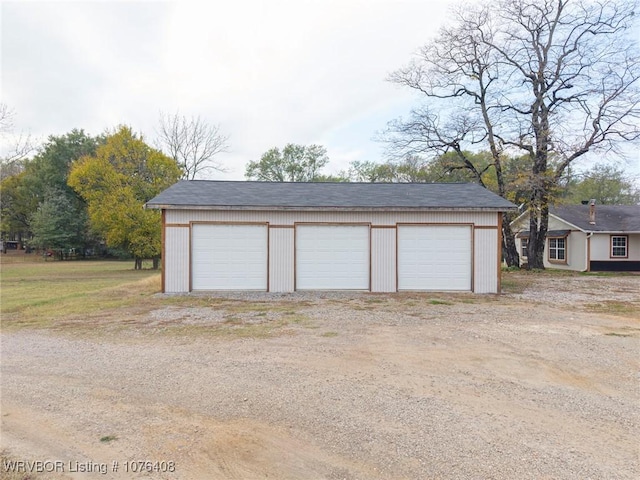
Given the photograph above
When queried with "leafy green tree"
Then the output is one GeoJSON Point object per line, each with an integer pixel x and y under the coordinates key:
{"type": "Point", "coordinates": [42, 176]}
{"type": "Point", "coordinates": [58, 224]}
{"type": "Point", "coordinates": [368, 171]}
{"type": "Point", "coordinates": [294, 163]}
{"type": "Point", "coordinates": [123, 174]}
{"type": "Point", "coordinates": [17, 204]}
{"type": "Point", "coordinates": [607, 184]}
{"type": "Point", "coordinates": [49, 169]}
{"type": "Point", "coordinates": [335, 178]}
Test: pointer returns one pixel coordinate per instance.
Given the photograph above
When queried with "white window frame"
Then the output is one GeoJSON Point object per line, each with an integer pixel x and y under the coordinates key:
{"type": "Point", "coordinates": [553, 250]}
{"type": "Point", "coordinates": [625, 247]}
{"type": "Point", "coordinates": [524, 247]}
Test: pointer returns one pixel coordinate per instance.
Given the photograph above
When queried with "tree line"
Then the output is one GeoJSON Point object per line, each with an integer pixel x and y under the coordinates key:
{"type": "Point", "coordinates": [605, 183]}
{"type": "Point", "coordinates": [83, 195]}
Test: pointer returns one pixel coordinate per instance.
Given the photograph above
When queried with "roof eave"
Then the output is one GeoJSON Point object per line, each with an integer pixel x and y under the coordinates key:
{"type": "Point", "coordinates": [330, 209]}
{"type": "Point", "coordinates": [615, 232]}
{"type": "Point", "coordinates": [554, 216]}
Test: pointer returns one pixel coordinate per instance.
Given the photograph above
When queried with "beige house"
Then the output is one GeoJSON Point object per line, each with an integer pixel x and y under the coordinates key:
{"type": "Point", "coordinates": [587, 237]}
{"type": "Point", "coordinates": [283, 237]}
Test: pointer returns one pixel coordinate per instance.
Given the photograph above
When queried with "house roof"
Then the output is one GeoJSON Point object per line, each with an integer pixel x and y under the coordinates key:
{"type": "Point", "coordinates": [550, 233]}
{"type": "Point", "coordinates": [609, 218]}
{"type": "Point", "coordinates": [284, 195]}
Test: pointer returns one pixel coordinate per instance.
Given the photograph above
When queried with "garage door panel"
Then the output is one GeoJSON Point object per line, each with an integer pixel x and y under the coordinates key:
{"type": "Point", "coordinates": [332, 257]}
{"type": "Point", "coordinates": [229, 257]}
{"type": "Point", "coordinates": [434, 257]}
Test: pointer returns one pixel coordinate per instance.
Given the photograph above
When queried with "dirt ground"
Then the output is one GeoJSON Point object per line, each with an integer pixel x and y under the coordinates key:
{"type": "Point", "coordinates": [541, 382]}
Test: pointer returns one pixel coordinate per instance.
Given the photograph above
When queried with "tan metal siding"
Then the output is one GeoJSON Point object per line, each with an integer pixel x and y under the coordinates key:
{"type": "Point", "coordinates": [290, 217]}
{"type": "Point", "coordinates": [176, 262]}
{"type": "Point", "coordinates": [281, 259]}
{"type": "Point", "coordinates": [383, 259]}
{"type": "Point", "coordinates": [281, 242]}
{"type": "Point", "coordinates": [485, 260]}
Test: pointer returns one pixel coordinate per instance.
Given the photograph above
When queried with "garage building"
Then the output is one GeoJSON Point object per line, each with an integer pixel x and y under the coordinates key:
{"type": "Point", "coordinates": [283, 237]}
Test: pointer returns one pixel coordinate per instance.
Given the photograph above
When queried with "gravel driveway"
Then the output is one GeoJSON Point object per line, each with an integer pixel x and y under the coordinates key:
{"type": "Point", "coordinates": [338, 386]}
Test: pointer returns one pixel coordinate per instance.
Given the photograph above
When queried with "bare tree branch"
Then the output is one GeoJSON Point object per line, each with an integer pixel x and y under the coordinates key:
{"type": "Point", "coordinates": [15, 148]}
{"type": "Point", "coordinates": [192, 143]}
{"type": "Point", "coordinates": [553, 79]}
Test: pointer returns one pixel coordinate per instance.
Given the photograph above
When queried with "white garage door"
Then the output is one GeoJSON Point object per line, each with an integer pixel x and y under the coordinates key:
{"type": "Point", "coordinates": [229, 257]}
{"type": "Point", "coordinates": [332, 257]}
{"type": "Point", "coordinates": [434, 257]}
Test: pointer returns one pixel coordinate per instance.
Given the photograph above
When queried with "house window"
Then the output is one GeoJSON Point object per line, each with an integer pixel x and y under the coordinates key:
{"type": "Point", "coordinates": [524, 247]}
{"type": "Point", "coordinates": [558, 249]}
{"type": "Point", "coordinates": [619, 246]}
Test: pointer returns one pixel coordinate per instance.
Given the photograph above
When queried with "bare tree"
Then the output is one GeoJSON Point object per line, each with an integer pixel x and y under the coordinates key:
{"type": "Point", "coordinates": [553, 79]}
{"type": "Point", "coordinates": [15, 148]}
{"type": "Point", "coordinates": [6, 118]}
{"type": "Point", "coordinates": [192, 143]}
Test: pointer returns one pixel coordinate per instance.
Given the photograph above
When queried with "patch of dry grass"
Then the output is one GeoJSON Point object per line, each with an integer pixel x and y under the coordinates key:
{"type": "Point", "coordinates": [237, 327]}
{"type": "Point", "coordinates": [613, 307]}
{"type": "Point", "coordinates": [40, 294]}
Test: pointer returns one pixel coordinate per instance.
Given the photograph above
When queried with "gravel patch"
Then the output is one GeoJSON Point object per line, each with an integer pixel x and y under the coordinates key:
{"type": "Point", "coordinates": [367, 386]}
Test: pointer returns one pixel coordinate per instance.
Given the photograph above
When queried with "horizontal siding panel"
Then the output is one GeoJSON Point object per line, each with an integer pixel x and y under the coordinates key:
{"type": "Point", "coordinates": [601, 247]}
{"type": "Point", "coordinates": [281, 243]}
{"type": "Point", "coordinates": [290, 217]}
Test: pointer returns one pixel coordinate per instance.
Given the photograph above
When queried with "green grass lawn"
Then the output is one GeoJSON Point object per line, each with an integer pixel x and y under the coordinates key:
{"type": "Point", "coordinates": [83, 297]}
{"type": "Point", "coordinates": [38, 293]}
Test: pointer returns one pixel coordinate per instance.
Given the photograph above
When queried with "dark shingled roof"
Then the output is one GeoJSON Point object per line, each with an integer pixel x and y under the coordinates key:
{"type": "Point", "coordinates": [550, 233]}
{"type": "Point", "coordinates": [609, 218]}
{"type": "Point", "coordinates": [263, 195]}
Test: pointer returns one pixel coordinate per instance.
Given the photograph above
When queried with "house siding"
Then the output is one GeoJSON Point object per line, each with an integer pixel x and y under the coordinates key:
{"type": "Point", "coordinates": [586, 250]}
{"type": "Point", "coordinates": [176, 263]}
{"type": "Point", "coordinates": [576, 245]}
{"type": "Point", "coordinates": [281, 259]}
{"type": "Point", "coordinates": [383, 260]}
{"type": "Point", "coordinates": [576, 252]}
{"type": "Point", "coordinates": [485, 261]}
{"type": "Point", "coordinates": [383, 264]}
{"type": "Point", "coordinates": [601, 247]}
{"type": "Point", "coordinates": [291, 217]}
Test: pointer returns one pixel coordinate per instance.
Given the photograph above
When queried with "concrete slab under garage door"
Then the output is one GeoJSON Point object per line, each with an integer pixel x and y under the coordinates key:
{"type": "Point", "coordinates": [434, 257]}
{"type": "Point", "coordinates": [229, 257]}
{"type": "Point", "coordinates": [332, 257]}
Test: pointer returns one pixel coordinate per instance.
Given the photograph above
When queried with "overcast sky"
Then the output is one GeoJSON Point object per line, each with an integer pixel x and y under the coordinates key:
{"type": "Point", "coordinates": [268, 72]}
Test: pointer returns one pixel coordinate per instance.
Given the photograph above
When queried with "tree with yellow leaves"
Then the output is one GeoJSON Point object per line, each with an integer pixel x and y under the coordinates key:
{"type": "Point", "coordinates": [123, 174]}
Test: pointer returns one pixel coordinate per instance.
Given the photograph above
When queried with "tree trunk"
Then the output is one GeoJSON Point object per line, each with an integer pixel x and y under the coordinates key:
{"type": "Point", "coordinates": [509, 250]}
{"type": "Point", "coordinates": [138, 264]}
{"type": "Point", "coordinates": [156, 263]}
{"type": "Point", "coordinates": [538, 225]}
